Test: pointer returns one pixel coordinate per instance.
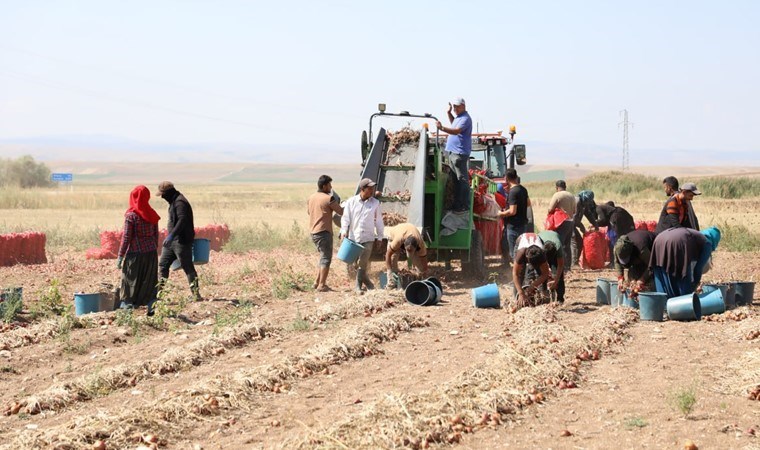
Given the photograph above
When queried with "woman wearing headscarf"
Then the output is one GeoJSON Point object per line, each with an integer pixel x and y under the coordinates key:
{"type": "Point", "coordinates": [138, 258]}
{"type": "Point", "coordinates": [679, 258]}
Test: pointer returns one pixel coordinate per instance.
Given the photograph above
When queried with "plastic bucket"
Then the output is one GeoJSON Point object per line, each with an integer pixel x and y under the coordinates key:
{"type": "Point", "coordinates": [685, 307]}
{"type": "Point", "coordinates": [87, 303]}
{"type": "Point", "coordinates": [712, 302]}
{"type": "Point", "coordinates": [436, 282]}
{"type": "Point", "coordinates": [349, 251]}
{"type": "Point", "coordinates": [486, 296]}
{"type": "Point", "coordinates": [438, 293]}
{"type": "Point", "coordinates": [201, 251]}
{"type": "Point", "coordinates": [743, 292]}
{"type": "Point", "coordinates": [616, 298]}
{"type": "Point", "coordinates": [628, 301]}
{"type": "Point", "coordinates": [652, 305]}
{"type": "Point", "coordinates": [383, 280]}
{"type": "Point", "coordinates": [603, 291]}
{"type": "Point", "coordinates": [420, 293]}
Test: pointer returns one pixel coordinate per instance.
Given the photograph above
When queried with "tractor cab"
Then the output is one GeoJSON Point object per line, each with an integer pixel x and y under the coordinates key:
{"type": "Point", "coordinates": [492, 154]}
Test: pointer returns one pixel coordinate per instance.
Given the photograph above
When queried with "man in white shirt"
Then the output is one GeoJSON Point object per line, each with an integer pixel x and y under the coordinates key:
{"type": "Point", "coordinates": [362, 222]}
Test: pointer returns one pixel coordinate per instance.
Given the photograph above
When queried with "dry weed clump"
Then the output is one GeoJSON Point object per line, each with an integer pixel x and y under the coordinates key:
{"type": "Point", "coordinates": [741, 376]}
{"type": "Point", "coordinates": [541, 356]}
{"type": "Point", "coordinates": [127, 375]}
{"type": "Point", "coordinates": [372, 303]}
{"type": "Point", "coordinates": [168, 416]}
{"type": "Point", "coordinates": [45, 330]}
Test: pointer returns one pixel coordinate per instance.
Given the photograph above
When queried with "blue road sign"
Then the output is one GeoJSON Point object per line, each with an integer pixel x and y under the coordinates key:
{"type": "Point", "coordinates": [62, 177]}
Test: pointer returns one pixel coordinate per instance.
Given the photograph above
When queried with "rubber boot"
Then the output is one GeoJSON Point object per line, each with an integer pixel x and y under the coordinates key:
{"type": "Point", "coordinates": [367, 282]}
{"type": "Point", "coordinates": [359, 279]}
{"type": "Point", "coordinates": [194, 288]}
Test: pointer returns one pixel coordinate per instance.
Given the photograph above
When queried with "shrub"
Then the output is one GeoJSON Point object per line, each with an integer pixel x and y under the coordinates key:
{"type": "Point", "coordinates": [737, 238]}
{"type": "Point", "coordinates": [725, 187]}
{"type": "Point", "coordinates": [24, 172]}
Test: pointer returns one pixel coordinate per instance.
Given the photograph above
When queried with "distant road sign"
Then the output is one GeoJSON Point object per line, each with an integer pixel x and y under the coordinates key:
{"type": "Point", "coordinates": [62, 177]}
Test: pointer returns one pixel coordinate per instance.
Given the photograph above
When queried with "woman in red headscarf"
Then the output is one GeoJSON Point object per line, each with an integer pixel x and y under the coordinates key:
{"type": "Point", "coordinates": [138, 258]}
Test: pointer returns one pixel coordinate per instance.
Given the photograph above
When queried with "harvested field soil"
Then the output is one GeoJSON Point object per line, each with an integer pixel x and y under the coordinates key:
{"type": "Point", "coordinates": [266, 362]}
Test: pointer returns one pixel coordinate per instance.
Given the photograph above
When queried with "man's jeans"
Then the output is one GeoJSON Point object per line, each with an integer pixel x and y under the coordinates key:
{"type": "Point", "coordinates": [513, 232]}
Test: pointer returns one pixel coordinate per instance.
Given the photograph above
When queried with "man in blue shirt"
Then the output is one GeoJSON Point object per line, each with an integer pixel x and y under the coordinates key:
{"type": "Point", "coordinates": [458, 147]}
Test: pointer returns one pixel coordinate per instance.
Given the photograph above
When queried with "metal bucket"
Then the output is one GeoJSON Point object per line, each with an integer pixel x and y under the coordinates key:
{"type": "Point", "coordinates": [486, 296]}
{"type": "Point", "coordinates": [652, 305]}
{"type": "Point", "coordinates": [685, 307]}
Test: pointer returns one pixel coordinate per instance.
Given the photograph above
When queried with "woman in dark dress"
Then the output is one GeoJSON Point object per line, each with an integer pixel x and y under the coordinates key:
{"type": "Point", "coordinates": [138, 258]}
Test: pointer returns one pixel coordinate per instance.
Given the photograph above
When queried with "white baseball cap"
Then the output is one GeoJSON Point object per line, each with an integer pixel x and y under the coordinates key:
{"type": "Point", "coordinates": [458, 101]}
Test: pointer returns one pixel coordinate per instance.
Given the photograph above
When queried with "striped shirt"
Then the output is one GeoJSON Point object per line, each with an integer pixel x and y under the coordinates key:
{"type": "Point", "coordinates": [139, 235]}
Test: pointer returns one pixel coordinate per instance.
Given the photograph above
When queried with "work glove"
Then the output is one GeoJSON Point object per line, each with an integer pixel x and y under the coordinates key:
{"type": "Point", "coordinates": [168, 240]}
{"type": "Point", "coordinates": [120, 262]}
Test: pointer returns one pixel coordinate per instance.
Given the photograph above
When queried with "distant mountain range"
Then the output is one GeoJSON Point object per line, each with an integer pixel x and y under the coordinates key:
{"type": "Point", "coordinates": [114, 149]}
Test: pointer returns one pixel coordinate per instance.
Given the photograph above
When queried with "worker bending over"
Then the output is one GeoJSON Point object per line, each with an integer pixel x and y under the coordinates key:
{"type": "Point", "coordinates": [404, 237]}
{"type": "Point", "coordinates": [530, 270]}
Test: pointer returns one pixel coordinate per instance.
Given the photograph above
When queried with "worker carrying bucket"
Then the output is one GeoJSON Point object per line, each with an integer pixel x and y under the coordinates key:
{"type": "Point", "coordinates": [362, 224]}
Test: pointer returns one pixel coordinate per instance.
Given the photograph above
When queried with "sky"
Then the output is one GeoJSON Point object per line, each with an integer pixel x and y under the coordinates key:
{"type": "Point", "coordinates": [296, 81]}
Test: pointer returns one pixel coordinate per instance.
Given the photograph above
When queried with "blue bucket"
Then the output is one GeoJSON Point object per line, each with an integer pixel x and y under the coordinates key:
{"type": "Point", "coordinates": [87, 303]}
{"type": "Point", "coordinates": [724, 290]}
{"type": "Point", "coordinates": [421, 293]}
{"type": "Point", "coordinates": [486, 296]}
{"type": "Point", "coordinates": [743, 292]}
{"type": "Point", "coordinates": [712, 302]}
{"type": "Point", "coordinates": [628, 301]}
{"type": "Point", "coordinates": [652, 305]}
{"type": "Point", "coordinates": [383, 280]}
{"type": "Point", "coordinates": [685, 307]}
{"type": "Point", "coordinates": [349, 251]}
{"type": "Point", "coordinates": [616, 299]}
{"type": "Point", "coordinates": [201, 251]}
{"type": "Point", "coordinates": [603, 291]}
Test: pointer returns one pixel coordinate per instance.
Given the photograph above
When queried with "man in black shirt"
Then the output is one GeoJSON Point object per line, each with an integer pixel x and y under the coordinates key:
{"type": "Point", "coordinates": [516, 214]}
{"type": "Point", "coordinates": [179, 242]}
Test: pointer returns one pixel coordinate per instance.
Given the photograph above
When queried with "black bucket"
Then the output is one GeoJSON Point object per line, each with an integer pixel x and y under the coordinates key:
{"type": "Point", "coordinates": [743, 292]}
{"type": "Point", "coordinates": [421, 293]}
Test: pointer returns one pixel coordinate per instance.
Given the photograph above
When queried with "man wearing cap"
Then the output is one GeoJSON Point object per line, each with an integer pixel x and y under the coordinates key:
{"type": "Point", "coordinates": [633, 252]}
{"type": "Point", "coordinates": [675, 213]}
{"type": "Point", "coordinates": [320, 207]}
{"type": "Point", "coordinates": [408, 237]}
{"type": "Point", "coordinates": [179, 242]}
{"type": "Point", "coordinates": [670, 184]}
{"type": "Point", "coordinates": [362, 222]}
{"type": "Point", "coordinates": [566, 202]}
{"type": "Point", "coordinates": [458, 147]}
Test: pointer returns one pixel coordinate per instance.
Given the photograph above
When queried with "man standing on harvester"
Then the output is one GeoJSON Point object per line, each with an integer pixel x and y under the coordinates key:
{"type": "Point", "coordinates": [458, 148]}
{"type": "Point", "coordinates": [179, 242]}
{"type": "Point", "coordinates": [362, 222]}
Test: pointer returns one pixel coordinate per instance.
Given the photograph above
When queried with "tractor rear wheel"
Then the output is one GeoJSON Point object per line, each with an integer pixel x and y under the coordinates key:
{"type": "Point", "coordinates": [476, 267]}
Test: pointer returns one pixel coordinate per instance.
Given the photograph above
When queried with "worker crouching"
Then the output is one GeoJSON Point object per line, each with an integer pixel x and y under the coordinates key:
{"type": "Point", "coordinates": [404, 237]}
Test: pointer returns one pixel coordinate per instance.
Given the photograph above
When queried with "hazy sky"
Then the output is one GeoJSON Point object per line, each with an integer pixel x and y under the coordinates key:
{"type": "Point", "coordinates": [307, 75]}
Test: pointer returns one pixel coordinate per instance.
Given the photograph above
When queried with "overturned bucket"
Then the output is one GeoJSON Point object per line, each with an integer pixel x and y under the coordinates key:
{"type": "Point", "coordinates": [685, 307]}
{"type": "Point", "coordinates": [724, 290]}
{"type": "Point", "coordinates": [603, 291]}
{"type": "Point", "coordinates": [652, 305]}
{"type": "Point", "coordinates": [486, 296]}
{"type": "Point", "coordinates": [421, 293]}
{"type": "Point", "coordinates": [349, 251]}
{"type": "Point", "coordinates": [712, 302]}
{"type": "Point", "coordinates": [743, 292]}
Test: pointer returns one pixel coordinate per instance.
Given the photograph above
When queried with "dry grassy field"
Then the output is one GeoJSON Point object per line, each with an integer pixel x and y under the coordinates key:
{"type": "Point", "coordinates": [266, 362]}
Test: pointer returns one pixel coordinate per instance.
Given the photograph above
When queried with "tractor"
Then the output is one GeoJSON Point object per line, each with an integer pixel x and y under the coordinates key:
{"type": "Point", "coordinates": [414, 185]}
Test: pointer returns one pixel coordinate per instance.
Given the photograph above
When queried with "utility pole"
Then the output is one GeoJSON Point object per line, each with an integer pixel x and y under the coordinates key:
{"type": "Point", "coordinates": [625, 124]}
